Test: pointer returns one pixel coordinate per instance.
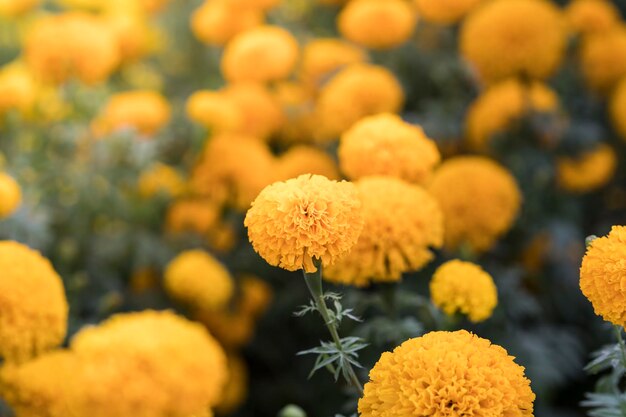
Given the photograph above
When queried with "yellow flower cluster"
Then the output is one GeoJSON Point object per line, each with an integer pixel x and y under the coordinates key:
{"type": "Point", "coordinates": [386, 145]}
{"type": "Point", "coordinates": [513, 38]}
{"type": "Point", "coordinates": [617, 109]}
{"type": "Point", "coordinates": [377, 24]}
{"type": "Point", "coordinates": [445, 11]}
{"type": "Point", "coordinates": [588, 172]}
{"type": "Point", "coordinates": [603, 59]}
{"type": "Point", "coordinates": [295, 222]}
{"type": "Point", "coordinates": [591, 16]}
{"type": "Point", "coordinates": [323, 56]}
{"type": "Point", "coordinates": [216, 22]}
{"type": "Point", "coordinates": [10, 195]}
{"type": "Point", "coordinates": [447, 373]}
{"type": "Point", "coordinates": [160, 179]}
{"type": "Point", "coordinates": [402, 223]}
{"type": "Point", "coordinates": [500, 105]}
{"type": "Point", "coordinates": [480, 201]}
{"type": "Point", "coordinates": [33, 308]}
{"type": "Point", "coordinates": [196, 278]}
{"type": "Point", "coordinates": [464, 287]}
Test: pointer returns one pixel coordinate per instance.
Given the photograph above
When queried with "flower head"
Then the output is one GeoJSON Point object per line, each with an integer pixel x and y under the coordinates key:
{"type": "Point", "coordinates": [402, 223]}
{"type": "Point", "coordinates": [260, 112]}
{"type": "Point", "coordinates": [386, 145]}
{"type": "Point", "coordinates": [445, 11]}
{"type": "Point", "coordinates": [617, 109]}
{"type": "Point", "coordinates": [447, 373]}
{"type": "Point", "coordinates": [145, 111]}
{"type": "Point", "coordinates": [322, 57]}
{"type": "Point", "coordinates": [295, 222]}
{"type": "Point", "coordinates": [197, 215]}
{"type": "Point", "coordinates": [10, 195]}
{"type": "Point", "coordinates": [464, 287]}
{"type": "Point", "coordinates": [589, 171]}
{"type": "Point", "coordinates": [591, 16]}
{"type": "Point", "coordinates": [216, 22]}
{"type": "Point", "coordinates": [214, 110]}
{"type": "Point", "coordinates": [603, 59]}
{"type": "Point", "coordinates": [12, 8]}
{"type": "Point", "coordinates": [18, 88]}
{"type": "Point", "coordinates": [304, 159]}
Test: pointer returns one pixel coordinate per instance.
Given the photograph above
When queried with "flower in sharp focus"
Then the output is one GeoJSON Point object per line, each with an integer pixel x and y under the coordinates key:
{"type": "Point", "coordinates": [292, 223]}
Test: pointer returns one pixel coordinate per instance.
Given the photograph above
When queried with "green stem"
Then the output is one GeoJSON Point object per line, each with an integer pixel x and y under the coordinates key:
{"type": "Point", "coordinates": [314, 283]}
{"type": "Point", "coordinates": [620, 342]}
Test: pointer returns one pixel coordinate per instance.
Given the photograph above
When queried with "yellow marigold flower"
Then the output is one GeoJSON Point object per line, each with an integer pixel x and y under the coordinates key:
{"type": "Point", "coordinates": [216, 22]}
{"type": "Point", "coordinates": [260, 111]}
{"type": "Point", "coordinates": [588, 172]}
{"type": "Point", "coordinates": [297, 101]}
{"type": "Point", "coordinates": [145, 111]}
{"type": "Point", "coordinates": [402, 223]}
{"type": "Point", "coordinates": [264, 53]}
{"type": "Point", "coordinates": [386, 145]}
{"type": "Point", "coordinates": [514, 37]}
{"type": "Point", "coordinates": [445, 11]}
{"type": "Point", "coordinates": [591, 16]}
{"type": "Point", "coordinates": [215, 111]}
{"type": "Point", "coordinates": [12, 8]}
{"type": "Point", "coordinates": [293, 222]}
{"type": "Point", "coordinates": [33, 308]}
{"type": "Point", "coordinates": [198, 215]}
{"type": "Point", "coordinates": [255, 296]}
{"type": "Point", "coordinates": [603, 59]}
{"type": "Point", "coordinates": [495, 110]}
{"type": "Point", "coordinates": [355, 92]}
{"type": "Point", "coordinates": [10, 195]}
{"type": "Point", "coordinates": [447, 373]}
{"type": "Point", "coordinates": [236, 389]}
{"type": "Point", "coordinates": [480, 201]}
{"type": "Point", "coordinates": [602, 273]}
{"type": "Point", "coordinates": [304, 159]}
{"type": "Point", "coordinates": [18, 88]}
{"type": "Point", "coordinates": [377, 24]}
{"type": "Point", "coordinates": [464, 287]}
{"type": "Point", "coordinates": [68, 45]}
{"type": "Point", "coordinates": [322, 57]}
{"type": "Point", "coordinates": [148, 353]}
{"type": "Point", "coordinates": [196, 278]}
{"type": "Point", "coordinates": [617, 108]}
{"type": "Point", "coordinates": [160, 178]}
{"type": "Point", "coordinates": [134, 37]}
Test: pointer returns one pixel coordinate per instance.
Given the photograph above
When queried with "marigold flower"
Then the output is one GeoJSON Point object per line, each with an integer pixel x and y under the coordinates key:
{"type": "Point", "coordinates": [236, 389]}
{"type": "Point", "coordinates": [10, 195]}
{"type": "Point", "coordinates": [297, 101]}
{"type": "Point", "coordinates": [496, 109]}
{"type": "Point", "coordinates": [355, 92]}
{"type": "Point", "coordinates": [135, 38]}
{"type": "Point", "coordinates": [377, 24]}
{"type": "Point", "coordinates": [264, 53]}
{"type": "Point", "coordinates": [386, 145]}
{"type": "Point", "coordinates": [591, 16]}
{"type": "Point", "coordinates": [33, 308]}
{"type": "Point", "coordinates": [322, 57]}
{"type": "Point", "coordinates": [304, 159]}
{"type": "Point", "coordinates": [18, 88]}
{"type": "Point", "coordinates": [480, 201]}
{"type": "Point", "coordinates": [291, 223]}
{"type": "Point", "coordinates": [261, 114]}
{"type": "Point", "coordinates": [160, 178]}
{"type": "Point", "coordinates": [196, 278]}
{"type": "Point", "coordinates": [603, 59]}
{"type": "Point", "coordinates": [464, 287]}
{"type": "Point", "coordinates": [198, 215]}
{"type": "Point", "coordinates": [590, 171]}
{"type": "Point", "coordinates": [216, 22]}
{"type": "Point", "coordinates": [445, 11]}
{"type": "Point", "coordinates": [146, 111]}
{"type": "Point", "coordinates": [516, 37]}
{"type": "Point", "coordinates": [68, 45]}
{"type": "Point", "coordinates": [402, 223]}
{"type": "Point", "coordinates": [12, 8]}
{"type": "Point", "coordinates": [617, 108]}
{"type": "Point", "coordinates": [444, 373]}
{"type": "Point", "coordinates": [215, 111]}
{"type": "Point", "coordinates": [602, 273]}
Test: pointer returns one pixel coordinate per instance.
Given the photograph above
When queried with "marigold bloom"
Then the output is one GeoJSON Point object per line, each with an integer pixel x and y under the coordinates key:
{"type": "Point", "coordinates": [68, 45]}
{"type": "Point", "coordinates": [12, 8]}
{"type": "Point", "coordinates": [444, 11]}
{"type": "Point", "coordinates": [617, 108]}
{"type": "Point", "coordinates": [236, 389]}
{"type": "Point", "coordinates": [216, 22]}
{"type": "Point", "coordinates": [196, 278]}
{"type": "Point", "coordinates": [135, 38]}
{"type": "Point", "coordinates": [18, 88]}
{"type": "Point", "coordinates": [402, 223]}
{"type": "Point", "coordinates": [496, 109]}
{"type": "Point", "coordinates": [479, 198]}
{"type": "Point", "coordinates": [447, 373]}
{"type": "Point", "coordinates": [10, 195]}
{"type": "Point", "coordinates": [33, 308]}
{"type": "Point", "coordinates": [355, 92]}
{"type": "Point", "coordinates": [215, 111]}
{"type": "Point", "coordinates": [588, 172]}
{"type": "Point", "coordinates": [377, 24]}
{"type": "Point", "coordinates": [198, 215]}
{"type": "Point", "coordinates": [591, 16]}
{"type": "Point", "coordinates": [464, 287]}
{"type": "Point", "coordinates": [297, 101]}
{"type": "Point", "coordinates": [602, 273]}
{"type": "Point", "coordinates": [304, 159]}
{"type": "Point", "coordinates": [261, 114]}
{"type": "Point", "coordinates": [386, 145]}
{"type": "Point", "coordinates": [291, 223]}
{"type": "Point", "coordinates": [160, 178]}
{"type": "Point", "coordinates": [603, 59]}
{"type": "Point", "coordinates": [322, 57]}
{"type": "Point", "coordinates": [265, 53]}
{"type": "Point", "coordinates": [145, 111]}
{"type": "Point", "coordinates": [516, 37]}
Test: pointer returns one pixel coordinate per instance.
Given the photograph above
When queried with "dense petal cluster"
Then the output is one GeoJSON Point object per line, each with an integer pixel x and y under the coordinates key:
{"type": "Point", "coordinates": [216, 22]}
{"type": "Point", "coordinates": [33, 308]}
{"type": "Point", "coordinates": [196, 278]}
{"type": "Point", "coordinates": [445, 11]}
{"type": "Point", "coordinates": [323, 56]}
{"type": "Point", "coordinates": [147, 112]}
{"type": "Point", "coordinates": [386, 145]}
{"type": "Point", "coordinates": [603, 59]}
{"type": "Point", "coordinates": [10, 195]}
{"type": "Point", "coordinates": [480, 200]}
{"type": "Point", "coordinates": [444, 374]}
{"type": "Point", "coordinates": [514, 37]}
{"type": "Point", "coordinates": [464, 287]}
{"type": "Point", "coordinates": [587, 172]}
{"type": "Point", "coordinates": [292, 223]}
{"type": "Point", "coordinates": [377, 24]}
{"type": "Point", "coordinates": [591, 16]}
{"type": "Point", "coordinates": [402, 223]}
{"type": "Point", "coordinates": [617, 109]}
{"type": "Point", "coordinates": [602, 273]}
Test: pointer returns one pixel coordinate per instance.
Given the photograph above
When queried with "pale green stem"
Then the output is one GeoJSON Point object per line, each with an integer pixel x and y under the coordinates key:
{"type": "Point", "coordinates": [620, 342]}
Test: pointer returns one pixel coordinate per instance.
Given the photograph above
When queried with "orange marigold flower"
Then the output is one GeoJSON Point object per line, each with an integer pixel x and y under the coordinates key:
{"type": "Point", "coordinates": [443, 371]}
{"type": "Point", "coordinates": [304, 159]}
{"type": "Point", "coordinates": [10, 195]}
{"type": "Point", "coordinates": [603, 59]}
{"type": "Point", "coordinates": [216, 22]}
{"type": "Point", "coordinates": [617, 108]}
{"type": "Point", "coordinates": [260, 112]}
{"type": "Point", "coordinates": [587, 172]}
{"type": "Point", "coordinates": [198, 215]}
{"type": "Point", "coordinates": [214, 110]}
{"type": "Point", "coordinates": [322, 57]}
{"type": "Point", "coordinates": [386, 145]}
{"type": "Point", "coordinates": [295, 222]}
{"type": "Point", "coordinates": [591, 16]}
{"type": "Point", "coordinates": [445, 11]}
{"type": "Point", "coordinates": [18, 88]}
